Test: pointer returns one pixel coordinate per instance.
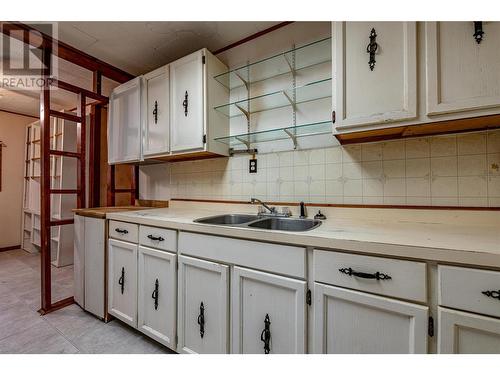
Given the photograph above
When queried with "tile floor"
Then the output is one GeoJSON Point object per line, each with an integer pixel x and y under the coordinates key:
{"type": "Point", "coordinates": [69, 330]}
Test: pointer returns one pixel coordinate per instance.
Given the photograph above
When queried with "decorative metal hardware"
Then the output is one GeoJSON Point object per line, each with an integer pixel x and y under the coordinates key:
{"type": "Point", "coordinates": [153, 238]}
{"type": "Point", "coordinates": [377, 275]}
{"type": "Point", "coordinates": [185, 104]}
{"type": "Point", "coordinates": [155, 112]}
{"type": "Point", "coordinates": [492, 293]}
{"type": "Point", "coordinates": [121, 280]}
{"type": "Point", "coordinates": [121, 231]}
{"type": "Point", "coordinates": [371, 48]}
{"type": "Point", "coordinates": [430, 326]}
{"type": "Point", "coordinates": [155, 294]}
{"type": "Point", "coordinates": [478, 31]}
{"type": "Point", "coordinates": [309, 297]}
{"type": "Point", "coordinates": [334, 115]}
{"type": "Point", "coordinates": [265, 335]}
{"type": "Point", "coordinates": [201, 320]}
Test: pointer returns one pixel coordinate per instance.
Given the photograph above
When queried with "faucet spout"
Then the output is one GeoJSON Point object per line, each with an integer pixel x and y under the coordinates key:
{"type": "Point", "coordinates": [270, 209]}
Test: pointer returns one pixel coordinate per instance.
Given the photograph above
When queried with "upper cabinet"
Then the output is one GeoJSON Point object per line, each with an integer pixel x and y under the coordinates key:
{"type": "Point", "coordinates": [376, 87]}
{"type": "Point", "coordinates": [463, 73]}
{"type": "Point", "coordinates": [157, 113]}
{"type": "Point", "coordinates": [125, 123]}
{"type": "Point", "coordinates": [169, 113]}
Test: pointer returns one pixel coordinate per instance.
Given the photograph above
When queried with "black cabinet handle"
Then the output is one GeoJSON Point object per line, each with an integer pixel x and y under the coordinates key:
{"type": "Point", "coordinates": [154, 296]}
{"type": "Point", "coordinates": [153, 238]}
{"type": "Point", "coordinates": [121, 280]}
{"type": "Point", "coordinates": [155, 111]}
{"type": "Point", "coordinates": [185, 104]}
{"type": "Point", "coordinates": [201, 320]}
{"type": "Point", "coordinates": [377, 275]}
{"type": "Point", "coordinates": [265, 335]}
{"type": "Point", "coordinates": [492, 294]}
{"type": "Point", "coordinates": [121, 231]}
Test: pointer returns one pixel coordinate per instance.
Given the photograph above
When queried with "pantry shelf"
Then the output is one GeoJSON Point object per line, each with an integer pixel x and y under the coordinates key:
{"type": "Point", "coordinates": [282, 98]}
{"type": "Point", "coordinates": [290, 132]}
{"type": "Point", "coordinates": [291, 61]}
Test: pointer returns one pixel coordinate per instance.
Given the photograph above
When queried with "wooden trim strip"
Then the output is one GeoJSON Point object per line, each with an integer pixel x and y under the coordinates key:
{"type": "Point", "coordinates": [253, 36]}
{"type": "Point", "coordinates": [68, 154]}
{"type": "Point", "coordinates": [408, 207]}
{"type": "Point", "coordinates": [19, 114]}
{"type": "Point", "coordinates": [65, 51]}
{"type": "Point", "coordinates": [57, 305]}
{"type": "Point", "coordinates": [78, 90]}
{"type": "Point", "coordinates": [64, 191]}
{"type": "Point", "coordinates": [65, 116]}
{"type": "Point", "coordinates": [55, 223]}
{"type": "Point", "coordinates": [8, 248]}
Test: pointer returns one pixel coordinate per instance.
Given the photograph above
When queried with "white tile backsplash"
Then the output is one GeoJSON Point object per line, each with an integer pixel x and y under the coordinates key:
{"type": "Point", "coordinates": [462, 169]}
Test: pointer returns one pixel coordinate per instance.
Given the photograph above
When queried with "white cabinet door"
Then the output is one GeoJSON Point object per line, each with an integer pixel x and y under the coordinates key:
{"type": "Point", "coordinates": [157, 113]}
{"type": "Point", "coordinates": [187, 103]}
{"type": "Point", "coordinates": [157, 294]}
{"type": "Point", "coordinates": [79, 261]}
{"type": "Point", "coordinates": [125, 122]}
{"type": "Point", "coordinates": [465, 333]}
{"type": "Point", "coordinates": [388, 93]}
{"type": "Point", "coordinates": [203, 317]}
{"type": "Point", "coordinates": [461, 73]}
{"type": "Point", "coordinates": [122, 281]}
{"type": "Point", "coordinates": [268, 313]}
{"type": "Point", "coordinates": [351, 322]}
{"type": "Point", "coordinates": [94, 265]}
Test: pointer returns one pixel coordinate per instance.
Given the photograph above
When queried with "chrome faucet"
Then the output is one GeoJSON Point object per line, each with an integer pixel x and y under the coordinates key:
{"type": "Point", "coordinates": [272, 210]}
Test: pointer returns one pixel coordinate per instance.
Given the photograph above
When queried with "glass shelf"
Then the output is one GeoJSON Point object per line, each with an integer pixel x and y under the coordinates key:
{"type": "Point", "coordinates": [283, 98]}
{"type": "Point", "coordinates": [308, 55]}
{"type": "Point", "coordinates": [290, 132]}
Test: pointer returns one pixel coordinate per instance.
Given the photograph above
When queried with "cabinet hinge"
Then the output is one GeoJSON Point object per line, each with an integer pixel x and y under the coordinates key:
{"type": "Point", "coordinates": [176, 340]}
{"type": "Point", "coordinates": [430, 327]}
{"type": "Point", "coordinates": [333, 117]}
{"type": "Point", "coordinates": [309, 297]}
{"type": "Point", "coordinates": [203, 59]}
{"type": "Point", "coordinates": [204, 138]}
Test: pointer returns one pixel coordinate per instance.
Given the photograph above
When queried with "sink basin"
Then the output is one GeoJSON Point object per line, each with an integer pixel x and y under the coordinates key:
{"type": "Point", "coordinates": [286, 224]}
{"type": "Point", "coordinates": [231, 219]}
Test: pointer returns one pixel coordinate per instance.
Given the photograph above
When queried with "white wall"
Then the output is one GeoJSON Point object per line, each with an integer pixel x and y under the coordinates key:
{"type": "Point", "coordinates": [12, 133]}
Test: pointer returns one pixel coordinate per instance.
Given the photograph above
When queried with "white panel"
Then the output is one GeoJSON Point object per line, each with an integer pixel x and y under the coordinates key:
{"type": "Point", "coordinates": [79, 261]}
{"type": "Point", "coordinates": [158, 238]}
{"type": "Point", "coordinates": [464, 333]}
{"type": "Point", "coordinates": [256, 295]}
{"type": "Point", "coordinates": [186, 102]}
{"type": "Point", "coordinates": [208, 283]}
{"type": "Point", "coordinates": [94, 265]}
{"type": "Point", "coordinates": [157, 321]}
{"type": "Point", "coordinates": [350, 322]}
{"type": "Point", "coordinates": [124, 231]}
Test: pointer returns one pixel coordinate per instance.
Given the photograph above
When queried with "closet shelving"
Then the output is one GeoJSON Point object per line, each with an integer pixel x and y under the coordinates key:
{"type": "Point", "coordinates": [292, 62]}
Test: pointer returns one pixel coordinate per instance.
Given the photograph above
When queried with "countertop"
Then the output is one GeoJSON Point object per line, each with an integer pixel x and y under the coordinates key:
{"type": "Point", "coordinates": [100, 212]}
{"type": "Point", "coordinates": [452, 236]}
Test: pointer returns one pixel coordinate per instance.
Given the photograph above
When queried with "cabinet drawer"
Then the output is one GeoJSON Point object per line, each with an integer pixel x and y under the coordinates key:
{"type": "Point", "coordinates": [123, 231]}
{"type": "Point", "coordinates": [396, 278]}
{"type": "Point", "coordinates": [470, 289]}
{"type": "Point", "coordinates": [158, 238]}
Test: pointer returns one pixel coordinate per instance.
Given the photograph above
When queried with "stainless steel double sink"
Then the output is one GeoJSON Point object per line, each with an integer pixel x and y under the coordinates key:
{"type": "Point", "coordinates": [261, 222]}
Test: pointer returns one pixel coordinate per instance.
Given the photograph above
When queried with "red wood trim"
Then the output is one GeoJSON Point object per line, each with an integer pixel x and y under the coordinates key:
{"type": "Point", "coordinates": [95, 145]}
{"type": "Point", "coordinates": [8, 248]}
{"type": "Point", "coordinates": [412, 207]}
{"type": "Point", "coordinates": [45, 232]}
{"type": "Point", "coordinates": [55, 223]}
{"type": "Point", "coordinates": [64, 191]}
{"type": "Point", "coordinates": [64, 115]}
{"type": "Point", "coordinates": [81, 198]}
{"type": "Point", "coordinates": [135, 185]}
{"type": "Point", "coordinates": [253, 36]}
{"type": "Point", "coordinates": [124, 190]}
{"type": "Point", "coordinates": [110, 195]}
{"type": "Point", "coordinates": [66, 52]}
{"type": "Point", "coordinates": [78, 90]}
{"type": "Point", "coordinates": [65, 153]}
{"type": "Point", "coordinates": [19, 114]}
{"type": "Point", "coordinates": [57, 305]}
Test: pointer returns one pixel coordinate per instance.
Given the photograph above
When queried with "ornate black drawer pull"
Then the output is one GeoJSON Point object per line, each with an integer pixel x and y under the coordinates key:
{"type": "Point", "coordinates": [185, 104]}
{"type": "Point", "coordinates": [121, 231]}
{"type": "Point", "coordinates": [492, 293]}
{"type": "Point", "coordinates": [155, 112]}
{"type": "Point", "coordinates": [153, 238]}
{"type": "Point", "coordinates": [121, 280]}
{"type": "Point", "coordinates": [265, 335]}
{"type": "Point", "coordinates": [478, 31]}
{"type": "Point", "coordinates": [155, 294]}
{"type": "Point", "coordinates": [377, 275]}
{"type": "Point", "coordinates": [371, 48]}
{"type": "Point", "coordinates": [201, 320]}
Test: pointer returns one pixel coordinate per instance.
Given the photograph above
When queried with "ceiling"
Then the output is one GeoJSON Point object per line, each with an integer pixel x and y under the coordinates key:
{"type": "Point", "coordinates": [135, 47]}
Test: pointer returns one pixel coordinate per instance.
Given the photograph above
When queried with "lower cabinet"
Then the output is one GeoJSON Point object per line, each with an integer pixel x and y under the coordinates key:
{"type": "Point", "coordinates": [122, 281]}
{"type": "Point", "coordinates": [157, 289]}
{"type": "Point", "coordinates": [467, 333]}
{"type": "Point", "coordinates": [348, 321]}
{"type": "Point", "coordinates": [268, 313]}
{"type": "Point", "coordinates": [203, 306]}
